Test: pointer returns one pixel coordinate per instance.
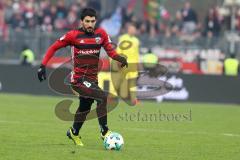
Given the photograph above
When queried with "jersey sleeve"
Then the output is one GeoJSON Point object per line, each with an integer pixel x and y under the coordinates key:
{"type": "Point", "coordinates": [64, 41]}
{"type": "Point", "coordinates": [107, 45]}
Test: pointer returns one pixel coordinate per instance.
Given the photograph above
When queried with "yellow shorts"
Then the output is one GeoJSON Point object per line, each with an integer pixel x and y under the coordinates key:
{"type": "Point", "coordinates": [131, 75]}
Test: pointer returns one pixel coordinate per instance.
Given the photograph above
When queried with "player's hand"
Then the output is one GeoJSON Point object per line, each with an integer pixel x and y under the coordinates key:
{"type": "Point", "coordinates": [123, 61]}
{"type": "Point", "coordinates": [42, 73]}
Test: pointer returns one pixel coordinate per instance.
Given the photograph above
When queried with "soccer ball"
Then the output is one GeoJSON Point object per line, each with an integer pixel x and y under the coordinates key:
{"type": "Point", "coordinates": [114, 141]}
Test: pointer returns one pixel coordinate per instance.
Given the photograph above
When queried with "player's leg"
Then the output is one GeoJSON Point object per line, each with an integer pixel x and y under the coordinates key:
{"type": "Point", "coordinates": [117, 76]}
{"type": "Point", "coordinates": [79, 118]}
{"type": "Point", "coordinates": [101, 97]}
{"type": "Point", "coordinates": [81, 113]}
{"type": "Point", "coordinates": [116, 81]}
{"type": "Point", "coordinates": [132, 86]}
{"type": "Point", "coordinates": [93, 91]}
{"type": "Point", "coordinates": [102, 112]}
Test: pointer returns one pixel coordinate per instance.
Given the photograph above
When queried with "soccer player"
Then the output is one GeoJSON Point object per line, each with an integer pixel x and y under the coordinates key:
{"type": "Point", "coordinates": [85, 43]}
{"type": "Point", "coordinates": [126, 81]}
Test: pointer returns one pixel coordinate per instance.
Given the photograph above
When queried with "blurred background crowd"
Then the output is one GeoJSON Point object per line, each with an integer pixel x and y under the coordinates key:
{"type": "Point", "coordinates": [161, 24]}
{"type": "Point", "coordinates": [156, 19]}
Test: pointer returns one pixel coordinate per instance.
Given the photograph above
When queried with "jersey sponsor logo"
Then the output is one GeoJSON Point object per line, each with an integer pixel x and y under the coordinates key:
{"type": "Point", "coordinates": [98, 40]}
{"type": "Point", "coordinates": [92, 51]}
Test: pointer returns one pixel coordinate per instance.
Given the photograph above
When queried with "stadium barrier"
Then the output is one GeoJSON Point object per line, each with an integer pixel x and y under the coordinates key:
{"type": "Point", "coordinates": [192, 88]}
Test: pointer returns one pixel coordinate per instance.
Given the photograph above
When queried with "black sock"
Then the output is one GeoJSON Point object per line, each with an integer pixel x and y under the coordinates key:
{"type": "Point", "coordinates": [81, 114]}
{"type": "Point", "coordinates": [102, 116]}
{"type": "Point", "coordinates": [103, 124]}
{"type": "Point", "coordinates": [76, 128]}
{"type": "Point", "coordinates": [104, 129]}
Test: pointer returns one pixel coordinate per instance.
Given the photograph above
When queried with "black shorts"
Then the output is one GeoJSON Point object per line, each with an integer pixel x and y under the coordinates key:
{"type": "Point", "coordinates": [89, 89]}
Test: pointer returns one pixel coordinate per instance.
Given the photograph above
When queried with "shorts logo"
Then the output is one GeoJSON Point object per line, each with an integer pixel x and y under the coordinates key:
{"type": "Point", "coordinates": [87, 84]}
{"type": "Point", "coordinates": [98, 40]}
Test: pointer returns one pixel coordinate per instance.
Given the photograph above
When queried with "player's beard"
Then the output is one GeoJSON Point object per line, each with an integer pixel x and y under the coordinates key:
{"type": "Point", "coordinates": [89, 30]}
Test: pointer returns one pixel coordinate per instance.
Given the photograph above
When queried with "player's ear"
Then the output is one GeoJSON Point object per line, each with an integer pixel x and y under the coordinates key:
{"type": "Point", "coordinates": [80, 23]}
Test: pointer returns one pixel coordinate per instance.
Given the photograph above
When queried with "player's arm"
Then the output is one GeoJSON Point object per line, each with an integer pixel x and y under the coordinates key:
{"type": "Point", "coordinates": [60, 43]}
{"type": "Point", "coordinates": [107, 44]}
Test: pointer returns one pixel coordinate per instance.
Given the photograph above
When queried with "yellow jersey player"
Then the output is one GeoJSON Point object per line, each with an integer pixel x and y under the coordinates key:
{"type": "Point", "coordinates": [125, 81]}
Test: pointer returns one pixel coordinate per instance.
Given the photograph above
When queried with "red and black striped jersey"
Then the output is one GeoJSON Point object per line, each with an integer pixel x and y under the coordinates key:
{"type": "Point", "coordinates": [85, 50]}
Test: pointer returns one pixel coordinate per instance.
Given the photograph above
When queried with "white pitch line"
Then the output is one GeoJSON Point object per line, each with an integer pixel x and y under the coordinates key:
{"type": "Point", "coordinates": [231, 135]}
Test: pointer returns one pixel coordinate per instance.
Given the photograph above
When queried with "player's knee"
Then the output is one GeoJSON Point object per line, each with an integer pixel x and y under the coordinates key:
{"type": "Point", "coordinates": [102, 101]}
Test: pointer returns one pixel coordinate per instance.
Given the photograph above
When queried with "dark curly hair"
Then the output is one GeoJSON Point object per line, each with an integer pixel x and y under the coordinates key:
{"type": "Point", "coordinates": [88, 12]}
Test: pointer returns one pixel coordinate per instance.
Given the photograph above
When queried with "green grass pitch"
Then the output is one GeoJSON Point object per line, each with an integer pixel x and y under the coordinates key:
{"type": "Point", "coordinates": [29, 129]}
